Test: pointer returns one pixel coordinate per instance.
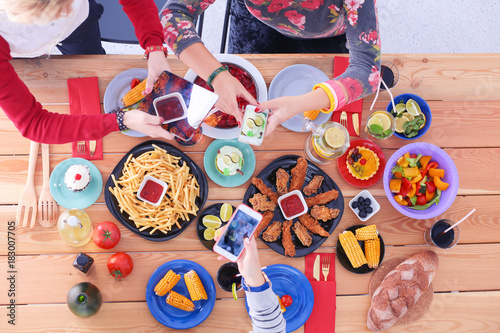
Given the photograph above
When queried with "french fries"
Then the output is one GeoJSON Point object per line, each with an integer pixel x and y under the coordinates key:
{"type": "Point", "coordinates": [176, 205]}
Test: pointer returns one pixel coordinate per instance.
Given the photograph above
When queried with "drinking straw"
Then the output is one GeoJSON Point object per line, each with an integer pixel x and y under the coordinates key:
{"type": "Point", "coordinates": [453, 226]}
{"type": "Point", "coordinates": [239, 274]}
{"type": "Point", "coordinates": [378, 90]}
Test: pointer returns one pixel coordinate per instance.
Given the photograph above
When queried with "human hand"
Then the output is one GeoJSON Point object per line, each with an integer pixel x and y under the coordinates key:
{"type": "Point", "coordinates": [157, 63]}
{"type": "Point", "coordinates": [145, 123]}
{"type": "Point", "coordinates": [282, 109]}
{"type": "Point", "coordinates": [229, 89]}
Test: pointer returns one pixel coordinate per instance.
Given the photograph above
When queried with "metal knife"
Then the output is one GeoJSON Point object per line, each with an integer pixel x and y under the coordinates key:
{"type": "Point", "coordinates": [316, 268]}
{"type": "Point", "coordinates": [92, 147]}
{"type": "Point", "coordinates": [355, 123]}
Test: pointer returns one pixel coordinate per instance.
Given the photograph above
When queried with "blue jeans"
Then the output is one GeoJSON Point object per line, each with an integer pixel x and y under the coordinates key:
{"type": "Point", "coordinates": [86, 39]}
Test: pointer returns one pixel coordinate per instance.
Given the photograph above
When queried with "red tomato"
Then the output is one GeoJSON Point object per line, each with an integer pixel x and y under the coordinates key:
{"type": "Point", "coordinates": [106, 235]}
{"type": "Point", "coordinates": [421, 200]}
{"type": "Point", "coordinates": [120, 265]}
{"type": "Point", "coordinates": [286, 300]}
{"type": "Point", "coordinates": [134, 83]}
{"type": "Point", "coordinates": [430, 187]}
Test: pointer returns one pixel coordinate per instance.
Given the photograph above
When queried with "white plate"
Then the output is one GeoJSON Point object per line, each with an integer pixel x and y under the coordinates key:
{"type": "Point", "coordinates": [297, 80]}
{"type": "Point", "coordinates": [117, 88]}
{"type": "Point", "coordinates": [219, 133]}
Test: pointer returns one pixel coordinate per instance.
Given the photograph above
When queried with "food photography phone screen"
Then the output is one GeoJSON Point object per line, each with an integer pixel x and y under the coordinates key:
{"type": "Point", "coordinates": [241, 226]}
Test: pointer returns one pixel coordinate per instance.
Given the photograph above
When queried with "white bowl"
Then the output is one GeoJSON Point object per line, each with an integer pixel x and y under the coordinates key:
{"type": "Point", "coordinates": [157, 181]}
{"type": "Point", "coordinates": [289, 194]}
{"type": "Point", "coordinates": [367, 195]}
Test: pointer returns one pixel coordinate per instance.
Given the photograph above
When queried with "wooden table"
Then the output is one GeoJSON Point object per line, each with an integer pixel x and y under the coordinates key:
{"type": "Point", "coordinates": [462, 91]}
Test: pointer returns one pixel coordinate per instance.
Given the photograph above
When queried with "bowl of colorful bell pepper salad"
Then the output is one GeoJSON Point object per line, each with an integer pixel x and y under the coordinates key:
{"type": "Point", "coordinates": [421, 180]}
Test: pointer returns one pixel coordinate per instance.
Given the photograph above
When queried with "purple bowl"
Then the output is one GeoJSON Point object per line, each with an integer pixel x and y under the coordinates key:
{"type": "Point", "coordinates": [450, 176]}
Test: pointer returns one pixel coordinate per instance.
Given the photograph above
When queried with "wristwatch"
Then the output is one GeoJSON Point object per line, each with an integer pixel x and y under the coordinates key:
{"type": "Point", "coordinates": [263, 287]}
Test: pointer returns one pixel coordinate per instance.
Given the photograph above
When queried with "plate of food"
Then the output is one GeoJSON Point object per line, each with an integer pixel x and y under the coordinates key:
{"type": "Point", "coordinates": [229, 163]}
{"type": "Point", "coordinates": [324, 200]}
{"type": "Point", "coordinates": [75, 183]}
{"type": "Point", "coordinates": [363, 164]}
{"type": "Point", "coordinates": [211, 221]}
{"type": "Point", "coordinates": [187, 191]}
{"type": "Point", "coordinates": [288, 280]}
{"type": "Point", "coordinates": [365, 247]}
{"type": "Point", "coordinates": [297, 80]}
{"type": "Point", "coordinates": [220, 125]}
{"type": "Point", "coordinates": [118, 87]}
{"type": "Point", "coordinates": [180, 294]}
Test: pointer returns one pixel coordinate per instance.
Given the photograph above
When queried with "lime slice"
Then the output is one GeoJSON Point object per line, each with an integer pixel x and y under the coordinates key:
{"type": "Point", "coordinates": [334, 137]}
{"type": "Point", "coordinates": [233, 289]}
{"type": "Point", "coordinates": [385, 120]}
{"type": "Point", "coordinates": [226, 159]}
{"type": "Point", "coordinates": [375, 121]}
{"type": "Point", "coordinates": [209, 233]}
{"type": "Point", "coordinates": [235, 157]}
{"type": "Point", "coordinates": [250, 123]}
{"type": "Point", "coordinates": [258, 121]}
{"type": "Point", "coordinates": [413, 108]}
{"type": "Point", "coordinates": [218, 232]}
{"type": "Point", "coordinates": [226, 211]}
{"type": "Point", "coordinates": [409, 116]}
{"type": "Point", "coordinates": [211, 221]}
{"type": "Point", "coordinates": [400, 107]}
{"type": "Point", "coordinates": [400, 122]}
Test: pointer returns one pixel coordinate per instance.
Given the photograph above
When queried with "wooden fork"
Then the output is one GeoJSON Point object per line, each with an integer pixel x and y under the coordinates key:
{"type": "Point", "coordinates": [26, 208]}
{"type": "Point", "coordinates": [47, 206]}
{"type": "Point", "coordinates": [325, 266]}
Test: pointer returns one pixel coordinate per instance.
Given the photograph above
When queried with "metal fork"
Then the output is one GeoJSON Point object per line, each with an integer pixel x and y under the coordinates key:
{"type": "Point", "coordinates": [325, 266]}
{"type": "Point", "coordinates": [27, 206]}
{"type": "Point", "coordinates": [343, 119]}
{"type": "Point", "coordinates": [80, 147]}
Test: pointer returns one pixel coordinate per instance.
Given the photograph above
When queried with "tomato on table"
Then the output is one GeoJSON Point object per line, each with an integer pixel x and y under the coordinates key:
{"type": "Point", "coordinates": [106, 235]}
{"type": "Point", "coordinates": [120, 265]}
{"type": "Point", "coordinates": [286, 300]}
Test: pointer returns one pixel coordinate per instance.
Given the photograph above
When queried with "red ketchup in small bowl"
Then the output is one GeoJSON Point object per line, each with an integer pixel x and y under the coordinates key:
{"type": "Point", "coordinates": [292, 204]}
{"type": "Point", "coordinates": [152, 190]}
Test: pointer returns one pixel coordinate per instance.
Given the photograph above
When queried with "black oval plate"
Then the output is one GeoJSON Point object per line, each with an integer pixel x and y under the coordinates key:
{"type": "Point", "coordinates": [210, 210]}
{"type": "Point", "coordinates": [112, 203]}
{"type": "Point", "coordinates": [345, 261]}
{"type": "Point", "coordinates": [268, 176]}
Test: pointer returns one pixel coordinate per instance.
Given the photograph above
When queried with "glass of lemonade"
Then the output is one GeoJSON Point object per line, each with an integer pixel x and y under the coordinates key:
{"type": "Point", "coordinates": [327, 142]}
{"type": "Point", "coordinates": [380, 125]}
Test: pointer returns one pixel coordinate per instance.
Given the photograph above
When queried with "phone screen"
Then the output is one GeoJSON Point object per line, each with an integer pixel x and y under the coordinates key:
{"type": "Point", "coordinates": [254, 123]}
{"type": "Point", "coordinates": [242, 225]}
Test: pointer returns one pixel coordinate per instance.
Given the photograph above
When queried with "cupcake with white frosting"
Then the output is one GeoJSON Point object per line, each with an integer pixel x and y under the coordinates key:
{"type": "Point", "coordinates": [77, 178]}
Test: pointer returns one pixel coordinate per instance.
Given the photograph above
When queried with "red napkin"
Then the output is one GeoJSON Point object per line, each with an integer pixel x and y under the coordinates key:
{"type": "Point", "coordinates": [322, 318]}
{"type": "Point", "coordinates": [84, 99]}
{"type": "Point", "coordinates": [340, 64]}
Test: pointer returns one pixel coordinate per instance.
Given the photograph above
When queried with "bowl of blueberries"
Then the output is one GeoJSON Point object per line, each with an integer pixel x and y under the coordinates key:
{"type": "Point", "coordinates": [364, 205]}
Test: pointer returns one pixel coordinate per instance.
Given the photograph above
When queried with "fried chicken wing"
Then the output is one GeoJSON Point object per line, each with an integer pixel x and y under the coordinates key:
{"type": "Point", "coordinates": [302, 234]}
{"type": "Point", "coordinates": [286, 239]}
{"type": "Point", "coordinates": [266, 218]}
{"type": "Point", "coordinates": [298, 175]}
{"type": "Point", "coordinates": [259, 202]}
{"type": "Point", "coordinates": [272, 232]}
{"type": "Point", "coordinates": [324, 213]}
{"type": "Point", "coordinates": [312, 225]}
{"type": "Point", "coordinates": [282, 178]}
{"type": "Point", "coordinates": [265, 190]}
{"type": "Point", "coordinates": [322, 198]}
{"type": "Point", "coordinates": [313, 185]}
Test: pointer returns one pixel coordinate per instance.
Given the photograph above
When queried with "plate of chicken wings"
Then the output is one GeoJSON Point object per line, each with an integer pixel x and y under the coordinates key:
{"type": "Point", "coordinates": [304, 234]}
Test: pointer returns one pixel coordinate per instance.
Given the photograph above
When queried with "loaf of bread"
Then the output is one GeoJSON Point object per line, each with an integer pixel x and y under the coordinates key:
{"type": "Point", "coordinates": [400, 290]}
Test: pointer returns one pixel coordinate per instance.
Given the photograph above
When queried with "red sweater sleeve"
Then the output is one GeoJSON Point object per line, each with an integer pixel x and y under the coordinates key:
{"type": "Point", "coordinates": [144, 16]}
{"type": "Point", "coordinates": [38, 124]}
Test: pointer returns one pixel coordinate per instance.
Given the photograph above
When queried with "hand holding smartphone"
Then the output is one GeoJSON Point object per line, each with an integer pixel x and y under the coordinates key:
{"type": "Point", "coordinates": [242, 224]}
{"type": "Point", "coordinates": [253, 126]}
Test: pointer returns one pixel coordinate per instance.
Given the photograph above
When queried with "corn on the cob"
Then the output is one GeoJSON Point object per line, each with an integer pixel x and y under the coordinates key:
{"type": "Point", "coordinates": [311, 114]}
{"type": "Point", "coordinates": [179, 301]}
{"type": "Point", "coordinates": [167, 283]}
{"type": "Point", "coordinates": [368, 232]}
{"type": "Point", "coordinates": [194, 285]}
{"type": "Point", "coordinates": [352, 249]}
{"type": "Point", "coordinates": [372, 252]}
{"type": "Point", "coordinates": [134, 95]}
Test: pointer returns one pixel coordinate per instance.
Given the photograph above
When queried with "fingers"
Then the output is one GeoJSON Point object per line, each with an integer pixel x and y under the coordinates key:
{"type": "Point", "coordinates": [149, 83]}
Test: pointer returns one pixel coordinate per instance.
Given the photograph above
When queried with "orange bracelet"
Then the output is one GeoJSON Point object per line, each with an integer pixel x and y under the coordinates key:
{"type": "Point", "coordinates": [150, 49]}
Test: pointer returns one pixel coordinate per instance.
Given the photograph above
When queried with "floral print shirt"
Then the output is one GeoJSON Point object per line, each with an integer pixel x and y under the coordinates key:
{"type": "Point", "coordinates": [299, 19]}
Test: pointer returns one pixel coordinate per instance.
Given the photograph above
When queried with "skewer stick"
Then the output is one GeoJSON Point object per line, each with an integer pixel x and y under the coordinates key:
{"type": "Point", "coordinates": [239, 274]}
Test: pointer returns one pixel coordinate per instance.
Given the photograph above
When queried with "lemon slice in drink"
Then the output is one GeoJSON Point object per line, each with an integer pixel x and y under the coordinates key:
{"type": "Point", "coordinates": [226, 211]}
{"type": "Point", "coordinates": [209, 233]}
{"type": "Point", "coordinates": [375, 121]}
{"type": "Point", "coordinates": [385, 120]}
{"type": "Point", "coordinates": [400, 122]}
{"type": "Point", "coordinates": [211, 221]}
{"type": "Point", "coordinates": [334, 137]}
{"type": "Point", "coordinates": [413, 108]}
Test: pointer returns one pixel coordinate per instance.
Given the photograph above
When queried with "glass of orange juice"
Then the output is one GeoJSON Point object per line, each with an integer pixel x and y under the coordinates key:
{"type": "Point", "coordinates": [327, 142]}
{"type": "Point", "coordinates": [380, 125]}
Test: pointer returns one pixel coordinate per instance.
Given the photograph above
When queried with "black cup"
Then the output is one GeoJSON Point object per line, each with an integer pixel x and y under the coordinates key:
{"type": "Point", "coordinates": [226, 276]}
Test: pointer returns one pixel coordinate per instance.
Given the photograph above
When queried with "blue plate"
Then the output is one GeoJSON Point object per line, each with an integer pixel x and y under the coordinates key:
{"type": "Point", "coordinates": [297, 80]}
{"type": "Point", "coordinates": [288, 280]}
{"type": "Point", "coordinates": [171, 316]}
{"type": "Point", "coordinates": [219, 178]}
{"type": "Point", "coordinates": [69, 199]}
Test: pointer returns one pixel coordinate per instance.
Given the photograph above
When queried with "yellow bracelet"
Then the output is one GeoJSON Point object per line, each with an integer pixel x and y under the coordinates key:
{"type": "Point", "coordinates": [332, 96]}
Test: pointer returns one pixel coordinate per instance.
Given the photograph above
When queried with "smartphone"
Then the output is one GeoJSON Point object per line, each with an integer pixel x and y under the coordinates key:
{"type": "Point", "coordinates": [253, 126]}
{"type": "Point", "coordinates": [242, 224]}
